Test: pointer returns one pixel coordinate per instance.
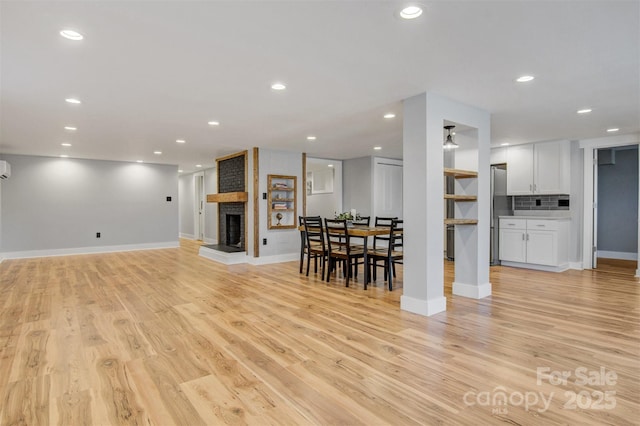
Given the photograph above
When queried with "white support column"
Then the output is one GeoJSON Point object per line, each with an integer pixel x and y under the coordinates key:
{"type": "Point", "coordinates": [472, 241]}
{"type": "Point", "coordinates": [423, 287]}
{"type": "Point", "coordinates": [423, 178]}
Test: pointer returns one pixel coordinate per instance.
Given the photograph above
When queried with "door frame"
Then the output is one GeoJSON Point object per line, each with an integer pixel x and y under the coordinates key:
{"type": "Point", "coordinates": [588, 225]}
{"type": "Point", "coordinates": [199, 210]}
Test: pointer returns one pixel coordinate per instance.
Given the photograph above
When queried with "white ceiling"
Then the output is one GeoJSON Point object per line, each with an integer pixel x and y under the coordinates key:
{"type": "Point", "coordinates": [151, 72]}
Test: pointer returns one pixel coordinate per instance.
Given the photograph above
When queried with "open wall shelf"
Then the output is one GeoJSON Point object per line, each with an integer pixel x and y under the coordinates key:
{"type": "Point", "coordinates": [281, 205]}
{"type": "Point", "coordinates": [467, 198]}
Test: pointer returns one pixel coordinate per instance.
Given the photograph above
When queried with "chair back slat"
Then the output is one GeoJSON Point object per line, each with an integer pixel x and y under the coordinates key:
{"type": "Point", "coordinates": [337, 234]}
{"type": "Point", "coordinates": [379, 222]}
{"type": "Point", "coordinates": [315, 232]}
{"type": "Point", "coordinates": [396, 240]}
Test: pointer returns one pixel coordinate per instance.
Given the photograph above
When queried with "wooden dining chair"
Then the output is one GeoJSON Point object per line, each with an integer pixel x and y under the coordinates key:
{"type": "Point", "coordinates": [315, 245]}
{"type": "Point", "coordinates": [390, 255]}
{"type": "Point", "coordinates": [336, 230]}
{"type": "Point", "coordinates": [382, 240]}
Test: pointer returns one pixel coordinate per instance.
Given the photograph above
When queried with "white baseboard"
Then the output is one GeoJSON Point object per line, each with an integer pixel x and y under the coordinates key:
{"type": "Point", "coordinates": [473, 291]}
{"type": "Point", "coordinates": [576, 265]}
{"type": "Point", "coordinates": [210, 241]}
{"type": "Point", "coordinates": [279, 258]}
{"type": "Point", "coordinates": [187, 236]}
{"type": "Point", "coordinates": [617, 255]}
{"type": "Point", "coordinates": [561, 268]}
{"type": "Point", "coordinates": [423, 307]}
{"type": "Point", "coordinates": [89, 250]}
{"type": "Point", "coordinates": [638, 273]}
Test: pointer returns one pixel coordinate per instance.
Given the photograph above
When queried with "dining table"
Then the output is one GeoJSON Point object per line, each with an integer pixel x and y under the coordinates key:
{"type": "Point", "coordinates": [364, 231]}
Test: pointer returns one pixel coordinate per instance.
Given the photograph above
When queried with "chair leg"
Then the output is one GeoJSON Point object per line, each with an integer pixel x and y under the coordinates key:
{"type": "Point", "coordinates": [315, 264]}
{"type": "Point", "coordinates": [308, 262]}
{"type": "Point", "coordinates": [391, 274]}
{"type": "Point", "coordinates": [375, 269]}
{"type": "Point", "coordinates": [347, 269]}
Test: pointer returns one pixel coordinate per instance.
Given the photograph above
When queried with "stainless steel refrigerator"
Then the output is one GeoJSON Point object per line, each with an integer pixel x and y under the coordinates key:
{"type": "Point", "coordinates": [500, 206]}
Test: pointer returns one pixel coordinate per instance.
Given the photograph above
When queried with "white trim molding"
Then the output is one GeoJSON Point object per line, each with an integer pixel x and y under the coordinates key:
{"type": "Point", "coordinates": [472, 291]}
{"type": "Point", "coordinates": [617, 255]}
{"type": "Point", "coordinates": [89, 250]}
{"type": "Point", "coordinates": [423, 307]}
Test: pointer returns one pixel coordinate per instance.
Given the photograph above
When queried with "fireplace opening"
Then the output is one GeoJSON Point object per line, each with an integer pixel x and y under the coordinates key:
{"type": "Point", "coordinates": [233, 234]}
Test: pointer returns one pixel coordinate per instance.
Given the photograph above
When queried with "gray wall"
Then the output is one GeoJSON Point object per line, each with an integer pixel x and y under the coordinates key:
{"type": "Point", "coordinates": [618, 203]}
{"type": "Point", "coordinates": [60, 203]}
{"type": "Point", "coordinates": [357, 181]}
{"type": "Point", "coordinates": [279, 241]}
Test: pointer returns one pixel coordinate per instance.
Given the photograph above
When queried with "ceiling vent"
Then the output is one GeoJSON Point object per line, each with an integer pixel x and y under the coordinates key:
{"type": "Point", "coordinates": [5, 170]}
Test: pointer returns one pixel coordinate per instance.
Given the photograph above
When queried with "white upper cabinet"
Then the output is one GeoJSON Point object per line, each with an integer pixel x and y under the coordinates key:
{"type": "Point", "coordinates": [541, 168]}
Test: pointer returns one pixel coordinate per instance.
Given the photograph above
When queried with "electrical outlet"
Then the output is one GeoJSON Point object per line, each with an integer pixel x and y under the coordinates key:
{"type": "Point", "coordinates": [264, 195]}
{"type": "Point", "coordinates": [264, 241]}
{"type": "Point", "coordinates": [97, 235]}
{"type": "Point", "coordinates": [168, 199]}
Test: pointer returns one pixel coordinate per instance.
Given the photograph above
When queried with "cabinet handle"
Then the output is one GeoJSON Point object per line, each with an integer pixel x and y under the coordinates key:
{"type": "Point", "coordinates": [527, 237]}
{"type": "Point", "coordinates": [531, 187]}
{"type": "Point", "coordinates": [535, 187]}
{"type": "Point", "coordinates": [542, 226]}
{"type": "Point", "coordinates": [522, 237]}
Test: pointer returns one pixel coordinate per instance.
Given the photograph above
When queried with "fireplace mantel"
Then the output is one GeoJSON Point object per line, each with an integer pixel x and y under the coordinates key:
{"type": "Point", "coordinates": [228, 197]}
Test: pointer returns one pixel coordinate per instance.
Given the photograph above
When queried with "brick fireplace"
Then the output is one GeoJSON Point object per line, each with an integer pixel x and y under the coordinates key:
{"type": "Point", "coordinates": [232, 206]}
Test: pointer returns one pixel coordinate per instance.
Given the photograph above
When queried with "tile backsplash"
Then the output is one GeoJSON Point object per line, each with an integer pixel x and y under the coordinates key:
{"type": "Point", "coordinates": [541, 202]}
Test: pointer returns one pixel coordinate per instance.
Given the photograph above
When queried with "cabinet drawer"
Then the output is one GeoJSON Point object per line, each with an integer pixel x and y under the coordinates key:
{"type": "Point", "coordinates": [513, 223]}
{"type": "Point", "coordinates": [542, 225]}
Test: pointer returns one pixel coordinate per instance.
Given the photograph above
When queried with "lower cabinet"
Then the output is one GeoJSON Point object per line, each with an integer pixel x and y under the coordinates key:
{"type": "Point", "coordinates": [535, 242]}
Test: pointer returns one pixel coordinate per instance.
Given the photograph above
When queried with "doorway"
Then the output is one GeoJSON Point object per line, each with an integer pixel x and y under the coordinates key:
{"type": "Point", "coordinates": [616, 204]}
{"type": "Point", "coordinates": [591, 204]}
{"type": "Point", "coordinates": [198, 208]}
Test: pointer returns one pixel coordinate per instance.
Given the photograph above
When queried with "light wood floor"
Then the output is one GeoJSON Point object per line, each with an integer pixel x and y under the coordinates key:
{"type": "Point", "coordinates": [165, 337]}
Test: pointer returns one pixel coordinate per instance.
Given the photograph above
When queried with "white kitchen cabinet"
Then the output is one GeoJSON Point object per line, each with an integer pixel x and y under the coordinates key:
{"type": "Point", "coordinates": [542, 168]}
{"type": "Point", "coordinates": [535, 243]}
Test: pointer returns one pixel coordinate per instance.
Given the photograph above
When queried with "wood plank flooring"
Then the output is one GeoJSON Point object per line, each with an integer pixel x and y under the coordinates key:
{"type": "Point", "coordinates": [165, 337]}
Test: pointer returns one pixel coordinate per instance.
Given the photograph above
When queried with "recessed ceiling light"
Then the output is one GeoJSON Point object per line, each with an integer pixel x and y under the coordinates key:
{"type": "Point", "coordinates": [377, 148]}
{"type": "Point", "coordinates": [64, 156]}
{"type": "Point", "coordinates": [70, 128]}
{"type": "Point", "coordinates": [198, 165]}
{"type": "Point", "coordinates": [180, 170]}
{"type": "Point", "coordinates": [329, 165]}
{"type": "Point", "coordinates": [613, 129]}
{"type": "Point", "coordinates": [278, 86]}
{"type": "Point", "coordinates": [389, 115]}
{"type": "Point", "coordinates": [71, 35]}
{"type": "Point", "coordinates": [180, 141]}
{"type": "Point", "coordinates": [524, 78]}
{"type": "Point", "coordinates": [584, 111]}
{"type": "Point", "coordinates": [65, 144]}
{"type": "Point", "coordinates": [504, 144]}
{"type": "Point", "coordinates": [411, 12]}
{"type": "Point", "coordinates": [73, 100]}
{"type": "Point", "coordinates": [139, 161]}
{"type": "Point", "coordinates": [311, 138]}
{"type": "Point", "coordinates": [213, 123]}
{"type": "Point", "coordinates": [157, 152]}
